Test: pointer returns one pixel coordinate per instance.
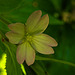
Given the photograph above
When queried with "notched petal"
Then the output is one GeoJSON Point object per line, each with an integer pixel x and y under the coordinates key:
{"type": "Point", "coordinates": [14, 38]}
{"type": "Point", "coordinates": [17, 28]}
{"type": "Point", "coordinates": [33, 20]}
{"type": "Point", "coordinates": [25, 52]}
{"type": "Point", "coordinates": [41, 25]}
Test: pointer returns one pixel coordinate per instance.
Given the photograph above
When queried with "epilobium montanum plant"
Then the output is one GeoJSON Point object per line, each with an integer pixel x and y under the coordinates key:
{"type": "Point", "coordinates": [30, 38]}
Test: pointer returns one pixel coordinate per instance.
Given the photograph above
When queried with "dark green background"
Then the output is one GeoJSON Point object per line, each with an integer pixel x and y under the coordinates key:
{"type": "Point", "coordinates": [61, 27]}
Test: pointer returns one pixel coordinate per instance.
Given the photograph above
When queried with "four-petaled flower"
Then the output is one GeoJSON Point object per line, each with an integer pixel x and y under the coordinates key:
{"type": "Point", "coordinates": [30, 38]}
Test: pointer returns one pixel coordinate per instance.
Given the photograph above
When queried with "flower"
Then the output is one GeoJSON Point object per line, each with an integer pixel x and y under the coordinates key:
{"type": "Point", "coordinates": [30, 38]}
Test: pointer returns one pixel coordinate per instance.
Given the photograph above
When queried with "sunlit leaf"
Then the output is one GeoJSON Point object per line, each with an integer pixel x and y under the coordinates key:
{"type": "Point", "coordinates": [12, 66]}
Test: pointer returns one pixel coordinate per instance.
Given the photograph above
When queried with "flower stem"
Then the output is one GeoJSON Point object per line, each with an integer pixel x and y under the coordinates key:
{"type": "Point", "coordinates": [55, 60]}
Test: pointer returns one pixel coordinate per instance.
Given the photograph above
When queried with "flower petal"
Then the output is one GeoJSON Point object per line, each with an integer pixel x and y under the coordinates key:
{"type": "Point", "coordinates": [20, 54]}
{"type": "Point", "coordinates": [40, 26]}
{"type": "Point", "coordinates": [13, 37]}
{"type": "Point", "coordinates": [25, 52]}
{"type": "Point", "coordinates": [17, 28]}
{"type": "Point", "coordinates": [33, 20]}
{"type": "Point", "coordinates": [30, 55]}
{"type": "Point", "coordinates": [46, 39]}
{"type": "Point", "coordinates": [41, 47]}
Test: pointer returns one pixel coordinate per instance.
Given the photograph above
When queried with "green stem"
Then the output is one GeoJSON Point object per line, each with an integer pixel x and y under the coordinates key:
{"type": "Point", "coordinates": [55, 60]}
{"type": "Point", "coordinates": [23, 69]}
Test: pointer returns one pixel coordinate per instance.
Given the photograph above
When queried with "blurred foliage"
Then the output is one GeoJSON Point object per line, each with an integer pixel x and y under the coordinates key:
{"type": "Point", "coordinates": [61, 27]}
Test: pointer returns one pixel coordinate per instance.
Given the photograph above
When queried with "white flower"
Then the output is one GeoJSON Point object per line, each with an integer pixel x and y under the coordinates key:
{"type": "Point", "coordinates": [30, 38]}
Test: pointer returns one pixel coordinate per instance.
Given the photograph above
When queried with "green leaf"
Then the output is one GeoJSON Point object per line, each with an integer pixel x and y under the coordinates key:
{"type": "Point", "coordinates": [28, 69]}
{"type": "Point", "coordinates": [8, 5]}
{"type": "Point", "coordinates": [1, 51]}
{"type": "Point", "coordinates": [3, 65]}
{"type": "Point", "coordinates": [27, 8]}
{"type": "Point", "coordinates": [55, 60]}
{"type": "Point", "coordinates": [4, 20]}
{"type": "Point", "coordinates": [2, 47]}
{"type": "Point", "coordinates": [38, 69]}
{"type": "Point", "coordinates": [55, 21]}
{"type": "Point", "coordinates": [57, 4]}
{"type": "Point", "coordinates": [12, 66]}
{"type": "Point", "coordinates": [24, 12]}
{"type": "Point", "coordinates": [34, 69]}
{"type": "Point", "coordinates": [3, 28]}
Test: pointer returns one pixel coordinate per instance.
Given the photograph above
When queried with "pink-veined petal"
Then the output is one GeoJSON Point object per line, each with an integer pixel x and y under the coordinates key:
{"type": "Point", "coordinates": [33, 20]}
{"type": "Point", "coordinates": [46, 39]}
{"type": "Point", "coordinates": [42, 24]}
{"type": "Point", "coordinates": [21, 52]}
{"type": "Point", "coordinates": [30, 55]}
{"type": "Point", "coordinates": [14, 38]}
{"type": "Point", "coordinates": [25, 52]}
{"type": "Point", "coordinates": [41, 47]}
{"type": "Point", "coordinates": [17, 28]}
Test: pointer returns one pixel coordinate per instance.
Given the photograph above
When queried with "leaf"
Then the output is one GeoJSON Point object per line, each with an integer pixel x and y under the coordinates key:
{"type": "Point", "coordinates": [3, 28]}
{"type": "Point", "coordinates": [57, 4]}
{"type": "Point", "coordinates": [1, 53]}
{"type": "Point", "coordinates": [27, 8]}
{"type": "Point", "coordinates": [2, 47]}
{"type": "Point", "coordinates": [45, 5]}
{"type": "Point", "coordinates": [12, 66]}
{"type": "Point", "coordinates": [24, 12]}
{"type": "Point", "coordinates": [8, 5]}
{"type": "Point", "coordinates": [2, 65]}
{"type": "Point", "coordinates": [38, 69]}
{"type": "Point", "coordinates": [55, 21]}
{"type": "Point", "coordinates": [34, 69]}
{"type": "Point", "coordinates": [28, 69]}
{"type": "Point", "coordinates": [65, 50]}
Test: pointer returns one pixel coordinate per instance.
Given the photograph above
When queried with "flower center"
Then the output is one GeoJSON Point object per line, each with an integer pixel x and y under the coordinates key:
{"type": "Point", "coordinates": [29, 38]}
{"type": "Point", "coordinates": [26, 37]}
